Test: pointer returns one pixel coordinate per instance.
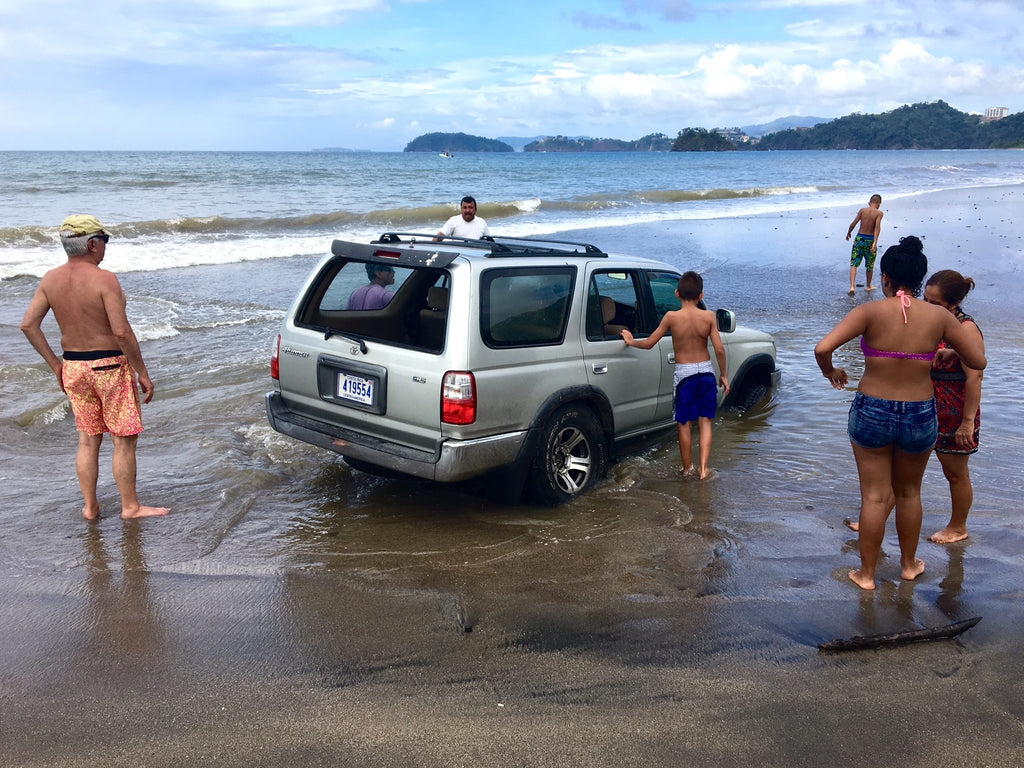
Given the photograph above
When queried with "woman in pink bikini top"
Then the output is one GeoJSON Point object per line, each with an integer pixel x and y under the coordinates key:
{"type": "Point", "coordinates": [892, 423]}
{"type": "Point", "coordinates": [872, 352]}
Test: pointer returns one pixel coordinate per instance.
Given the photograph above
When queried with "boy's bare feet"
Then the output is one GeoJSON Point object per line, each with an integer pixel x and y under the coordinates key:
{"type": "Point", "coordinates": [852, 291]}
{"type": "Point", "coordinates": [853, 525]}
{"type": "Point", "coordinates": [948, 535]}
{"type": "Point", "coordinates": [144, 512]}
{"type": "Point", "coordinates": [870, 288]}
{"type": "Point", "coordinates": [90, 514]}
{"type": "Point", "coordinates": [861, 580]}
{"type": "Point", "coordinates": [913, 571]}
{"type": "Point", "coordinates": [688, 471]}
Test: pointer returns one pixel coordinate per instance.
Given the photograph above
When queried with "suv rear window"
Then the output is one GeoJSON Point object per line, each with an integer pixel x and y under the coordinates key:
{"type": "Point", "coordinates": [525, 306]}
{"type": "Point", "coordinates": [348, 288]}
{"type": "Point", "coordinates": [399, 305]}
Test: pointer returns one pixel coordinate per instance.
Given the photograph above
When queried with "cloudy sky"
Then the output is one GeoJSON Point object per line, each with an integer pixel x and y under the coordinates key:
{"type": "Point", "coordinates": [374, 74]}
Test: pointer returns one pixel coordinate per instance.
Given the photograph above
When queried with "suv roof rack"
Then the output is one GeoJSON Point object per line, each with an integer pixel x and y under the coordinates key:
{"type": "Point", "coordinates": [503, 246]}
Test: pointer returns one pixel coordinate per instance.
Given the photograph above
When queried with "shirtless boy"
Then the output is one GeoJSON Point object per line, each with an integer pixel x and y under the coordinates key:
{"type": "Point", "coordinates": [101, 360]}
{"type": "Point", "coordinates": [865, 245]}
{"type": "Point", "coordinates": [696, 392]}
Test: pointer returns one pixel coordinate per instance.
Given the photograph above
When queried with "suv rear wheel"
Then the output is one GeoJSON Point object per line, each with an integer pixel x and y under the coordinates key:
{"type": "Point", "coordinates": [571, 456]}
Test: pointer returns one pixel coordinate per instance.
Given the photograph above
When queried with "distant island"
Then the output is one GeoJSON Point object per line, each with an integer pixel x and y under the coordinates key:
{"type": "Point", "coordinates": [454, 143]}
{"type": "Point", "coordinates": [703, 140]}
{"type": "Point", "coordinates": [654, 142]}
{"type": "Point", "coordinates": [934, 125]}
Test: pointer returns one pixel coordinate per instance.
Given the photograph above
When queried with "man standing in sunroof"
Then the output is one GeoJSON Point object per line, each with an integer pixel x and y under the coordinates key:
{"type": "Point", "coordinates": [465, 224]}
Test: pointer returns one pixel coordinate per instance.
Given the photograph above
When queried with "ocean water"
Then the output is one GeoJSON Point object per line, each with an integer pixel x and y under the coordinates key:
{"type": "Point", "coordinates": [176, 209]}
{"type": "Point", "coordinates": [211, 248]}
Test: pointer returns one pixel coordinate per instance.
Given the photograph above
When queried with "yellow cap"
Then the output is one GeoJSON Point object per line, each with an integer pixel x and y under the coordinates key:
{"type": "Point", "coordinates": [82, 224]}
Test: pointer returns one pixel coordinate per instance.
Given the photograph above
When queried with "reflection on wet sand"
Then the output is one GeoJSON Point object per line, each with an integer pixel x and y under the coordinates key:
{"type": "Point", "coordinates": [952, 585]}
{"type": "Point", "coordinates": [122, 616]}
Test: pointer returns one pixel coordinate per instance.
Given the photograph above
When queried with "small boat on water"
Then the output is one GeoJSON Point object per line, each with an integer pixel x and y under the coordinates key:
{"type": "Point", "coordinates": [446, 153]}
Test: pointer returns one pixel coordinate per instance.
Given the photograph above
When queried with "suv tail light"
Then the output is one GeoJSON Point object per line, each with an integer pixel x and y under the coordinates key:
{"type": "Point", "coordinates": [275, 360]}
{"type": "Point", "coordinates": [458, 398]}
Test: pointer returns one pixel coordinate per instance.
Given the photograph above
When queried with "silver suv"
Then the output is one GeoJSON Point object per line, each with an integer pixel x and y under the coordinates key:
{"type": "Point", "coordinates": [471, 356]}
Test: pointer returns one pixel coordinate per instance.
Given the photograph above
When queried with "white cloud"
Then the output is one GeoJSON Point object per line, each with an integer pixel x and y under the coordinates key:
{"type": "Point", "coordinates": [725, 74]}
{"type": "Point", "coordinates": [203, 69]}
{"type": "Point", "coordinates": [844, 78]}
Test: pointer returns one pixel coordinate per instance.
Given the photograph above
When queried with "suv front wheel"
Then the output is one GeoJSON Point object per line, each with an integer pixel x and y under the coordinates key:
{"type": "Point", "coordinates": [571, 456]}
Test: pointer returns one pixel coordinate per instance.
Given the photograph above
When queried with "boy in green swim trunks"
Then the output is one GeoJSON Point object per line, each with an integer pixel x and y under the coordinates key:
{"type": "Point", "coordinates": [865, 245]}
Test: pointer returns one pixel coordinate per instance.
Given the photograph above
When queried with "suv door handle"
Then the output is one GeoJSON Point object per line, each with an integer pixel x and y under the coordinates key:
{"type": "Point", "coordinates": [600, 367]}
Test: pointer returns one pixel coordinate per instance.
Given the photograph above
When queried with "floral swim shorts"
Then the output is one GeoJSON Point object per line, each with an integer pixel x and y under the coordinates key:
{"type": "Point", "coordinates": [103, 394]}
{"type": "Point", "coordinates": [862, 252]}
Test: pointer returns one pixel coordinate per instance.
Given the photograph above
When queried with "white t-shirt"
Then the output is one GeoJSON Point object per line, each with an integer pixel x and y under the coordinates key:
{"type": "Point", "coordinates": [457, 226]}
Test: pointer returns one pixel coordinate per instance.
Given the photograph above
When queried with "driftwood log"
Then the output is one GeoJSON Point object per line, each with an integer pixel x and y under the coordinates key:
{"type": "Point", "coordinates": [862, 642]}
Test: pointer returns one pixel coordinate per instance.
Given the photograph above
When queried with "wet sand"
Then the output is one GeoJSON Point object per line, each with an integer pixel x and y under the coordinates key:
{"type": "Point", "coordinates": [657, 621]}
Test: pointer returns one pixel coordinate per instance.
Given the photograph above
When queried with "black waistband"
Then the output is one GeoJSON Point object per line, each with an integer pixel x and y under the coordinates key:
{"type": "Point", "coordinates": [948, 375]}
{"type": "Point", "coordinates": [93, 355]}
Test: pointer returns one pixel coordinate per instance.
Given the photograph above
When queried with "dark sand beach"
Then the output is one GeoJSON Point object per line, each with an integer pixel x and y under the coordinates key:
{"type": "Point", "coordinates": [292, 612]}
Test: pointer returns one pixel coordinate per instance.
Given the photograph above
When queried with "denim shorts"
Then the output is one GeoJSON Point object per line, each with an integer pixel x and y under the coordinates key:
{"type": "Point", "coordinates": [909, 425]}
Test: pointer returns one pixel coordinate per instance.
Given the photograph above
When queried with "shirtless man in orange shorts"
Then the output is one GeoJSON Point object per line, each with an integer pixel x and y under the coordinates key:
{"type": "Point", "coordinates": [100, 363]}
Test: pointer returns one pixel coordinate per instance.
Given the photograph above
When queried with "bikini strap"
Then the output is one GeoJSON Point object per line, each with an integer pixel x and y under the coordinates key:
{"type": "Point", "coordinates": [904, 303]}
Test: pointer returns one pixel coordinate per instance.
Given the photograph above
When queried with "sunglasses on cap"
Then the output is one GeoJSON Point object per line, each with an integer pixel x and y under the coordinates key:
{"type": "Point", "coordinates": [103, 236]}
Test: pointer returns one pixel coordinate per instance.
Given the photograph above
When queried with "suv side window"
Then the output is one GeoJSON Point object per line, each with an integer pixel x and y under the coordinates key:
{"type": "Point", "coordinates": [663, 288]}
{"type": "Point", "coordinates": [612, 304]}
{"type": "Point", "coordinates": [525, 306]}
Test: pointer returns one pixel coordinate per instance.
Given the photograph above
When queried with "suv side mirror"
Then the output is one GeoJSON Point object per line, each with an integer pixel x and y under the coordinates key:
{"type": "Point", "coordinates": [726, 320]}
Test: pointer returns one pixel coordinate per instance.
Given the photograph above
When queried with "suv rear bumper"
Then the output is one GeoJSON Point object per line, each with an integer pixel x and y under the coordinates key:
{"type": "Point", "coordinates": [454, 460]}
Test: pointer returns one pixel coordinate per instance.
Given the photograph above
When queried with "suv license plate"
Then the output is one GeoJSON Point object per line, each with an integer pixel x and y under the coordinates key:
{"type": "Point", "coordinates": [355, 388]}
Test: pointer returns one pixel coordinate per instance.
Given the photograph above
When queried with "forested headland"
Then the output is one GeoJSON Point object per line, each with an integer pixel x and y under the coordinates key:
{"type": "Point", "coordinates": [917, 126]}
{"type": "Point", "coordinates": [653, 142]}
{"type": "Point", "coordinates": [933, 125]}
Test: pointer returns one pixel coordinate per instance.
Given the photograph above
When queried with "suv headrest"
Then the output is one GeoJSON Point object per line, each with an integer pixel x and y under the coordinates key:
{"type": "Point", "coordinates": [437, 298]}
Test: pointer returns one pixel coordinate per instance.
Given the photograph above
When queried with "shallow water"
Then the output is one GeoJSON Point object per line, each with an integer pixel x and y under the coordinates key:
{"type": "Point", "coordinates": [247, 499]}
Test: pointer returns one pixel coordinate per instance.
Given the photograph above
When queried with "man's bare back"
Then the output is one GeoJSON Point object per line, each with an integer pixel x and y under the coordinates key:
{"type": "Point", "coordinates": [79, 293]}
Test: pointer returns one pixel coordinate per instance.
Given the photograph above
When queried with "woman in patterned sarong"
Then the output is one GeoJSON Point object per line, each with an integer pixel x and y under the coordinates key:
{"type": "Point", "coordinates": [958, 403]}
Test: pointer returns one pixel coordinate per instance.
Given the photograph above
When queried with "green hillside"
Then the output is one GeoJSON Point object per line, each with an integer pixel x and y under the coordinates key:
{"type": "Point", "coordinates": [653, 142]}
{"type": "Point", "coordinates": [934, 125]}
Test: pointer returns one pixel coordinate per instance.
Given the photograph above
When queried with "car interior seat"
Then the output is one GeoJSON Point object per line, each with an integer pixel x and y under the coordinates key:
{"type": "Point", "coordinates": [434, 319]}
{"type": "Point", "coordinates": [608, 314]}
